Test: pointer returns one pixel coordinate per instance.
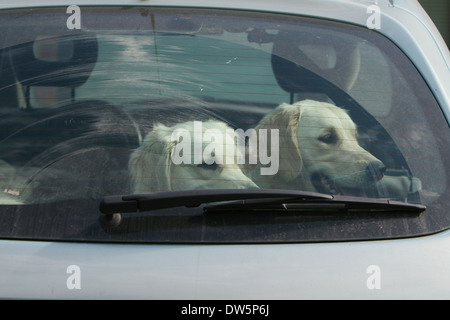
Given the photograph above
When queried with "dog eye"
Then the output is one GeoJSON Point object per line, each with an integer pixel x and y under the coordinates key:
{"type": "Point", "coordinates": [328, 138]}
{"type": "Point", "coordinates": [204, 165]}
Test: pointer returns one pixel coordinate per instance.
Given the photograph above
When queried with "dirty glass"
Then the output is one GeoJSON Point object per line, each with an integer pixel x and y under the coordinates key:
{"type": "Point", "coordinates": [114, 101]}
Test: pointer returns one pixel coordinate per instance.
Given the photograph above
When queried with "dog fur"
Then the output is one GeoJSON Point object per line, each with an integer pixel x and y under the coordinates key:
{"type": "Point", "coordinates": [318, 142]}
{"type": "Point", "coordinates": [153, 170]}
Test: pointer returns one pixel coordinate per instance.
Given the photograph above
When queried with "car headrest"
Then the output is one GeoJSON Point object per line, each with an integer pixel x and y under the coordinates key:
{"type": "Point", "coordinates": [61, 61]}
{"type": "Point", "coordinates": [304, 62]}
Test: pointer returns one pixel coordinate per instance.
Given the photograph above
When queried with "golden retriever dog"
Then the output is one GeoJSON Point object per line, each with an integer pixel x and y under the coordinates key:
{"type": "Point", "coordinates": [319, 150]}
{"type": "Point", "coordinates": [188, 155]}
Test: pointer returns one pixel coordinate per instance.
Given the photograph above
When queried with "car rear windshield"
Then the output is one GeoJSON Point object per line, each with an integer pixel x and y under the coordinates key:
{"type": "Point", "coordinates": [103, 101]}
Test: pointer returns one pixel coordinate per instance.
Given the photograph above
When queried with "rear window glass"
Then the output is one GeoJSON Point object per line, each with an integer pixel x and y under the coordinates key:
{"type": "Point", "coordinates": [119, 101]}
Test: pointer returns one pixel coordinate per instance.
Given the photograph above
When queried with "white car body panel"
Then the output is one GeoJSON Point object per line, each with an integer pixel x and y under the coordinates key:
{"type": "Point", "coordinates": [416, 268]}
{"type": "Point", "coordinates": [403, 269]}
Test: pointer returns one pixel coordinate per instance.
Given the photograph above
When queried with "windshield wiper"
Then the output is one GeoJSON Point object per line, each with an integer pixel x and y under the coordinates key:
{"type": "Point", "coordinates": [336, 202]}
{"type": "Point", "coordinates": [194, 198]}
{"type": "Point", "coordinates": [248, 199]}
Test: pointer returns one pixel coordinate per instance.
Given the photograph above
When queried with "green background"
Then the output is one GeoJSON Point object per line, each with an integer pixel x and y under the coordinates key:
{"type": "Point", "coordinates": [439, 11]}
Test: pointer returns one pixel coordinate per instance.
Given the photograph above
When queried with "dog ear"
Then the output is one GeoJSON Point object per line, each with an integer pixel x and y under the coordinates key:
{"type": "Point", "coordinates": [150, 165]}
{"type": "Point", "coordinates": [285, 118]}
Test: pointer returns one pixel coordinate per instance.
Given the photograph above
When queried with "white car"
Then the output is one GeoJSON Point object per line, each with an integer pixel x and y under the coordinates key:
{"type": "Point", "coordinates": [237, 150]}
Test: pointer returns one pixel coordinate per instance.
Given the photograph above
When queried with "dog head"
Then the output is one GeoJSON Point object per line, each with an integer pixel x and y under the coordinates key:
{"type": "Point", "coordinates": [319, 149]}
{"type": "Point", "coordinates": [189, 155]}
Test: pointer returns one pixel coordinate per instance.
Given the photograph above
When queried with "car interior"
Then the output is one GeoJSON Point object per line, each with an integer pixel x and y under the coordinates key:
{"type": "Point", "coordinates": [58, 146]}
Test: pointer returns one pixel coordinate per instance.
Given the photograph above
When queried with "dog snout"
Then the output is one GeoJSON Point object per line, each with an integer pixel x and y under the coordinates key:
{"type": "Point", "coordinates": [375, 170]}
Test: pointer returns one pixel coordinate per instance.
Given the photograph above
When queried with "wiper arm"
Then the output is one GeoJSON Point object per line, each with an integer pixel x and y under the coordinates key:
{"type": "Point", "coordinates": [193, 198]}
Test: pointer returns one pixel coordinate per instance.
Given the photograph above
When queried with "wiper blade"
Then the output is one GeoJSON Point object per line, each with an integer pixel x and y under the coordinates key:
{"type": "Point", "coordinates": [347, 203]}
{"type": "Point", "coordinates": [248, 199]}
{"type": "Point", "coordinates": [193, 198]}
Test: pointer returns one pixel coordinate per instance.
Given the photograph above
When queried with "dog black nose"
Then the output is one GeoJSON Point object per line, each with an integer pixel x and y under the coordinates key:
{"type": "Point", "coordinates": [376, 170]}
